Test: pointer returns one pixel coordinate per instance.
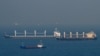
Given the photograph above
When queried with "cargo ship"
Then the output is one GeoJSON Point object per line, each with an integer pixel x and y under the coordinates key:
{"type": "Point", "coordinates": [38, 46]}
{"type": "Point", "coordinates": [56, 34]}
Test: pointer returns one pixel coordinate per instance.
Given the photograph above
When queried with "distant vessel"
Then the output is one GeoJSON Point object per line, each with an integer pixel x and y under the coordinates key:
{"type": "Point", "coordinates": [38, 46]}
{"type": "Point", "coordinates": [57, 34]}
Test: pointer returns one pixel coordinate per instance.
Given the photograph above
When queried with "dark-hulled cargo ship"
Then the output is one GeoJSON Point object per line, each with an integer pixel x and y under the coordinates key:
{"type": "Point", "coordinates": [57, 34]}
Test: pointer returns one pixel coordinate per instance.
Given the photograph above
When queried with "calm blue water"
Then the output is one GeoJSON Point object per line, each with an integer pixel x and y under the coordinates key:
{"type": "Point", "coordinates": [10, 47]}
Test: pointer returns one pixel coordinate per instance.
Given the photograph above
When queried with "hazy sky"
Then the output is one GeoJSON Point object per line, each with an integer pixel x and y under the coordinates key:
{"type": "Point", "coordinates": [67, 12]}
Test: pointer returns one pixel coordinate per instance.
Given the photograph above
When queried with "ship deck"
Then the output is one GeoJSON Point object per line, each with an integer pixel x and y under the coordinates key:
{"type": "Point", "coordinates": [31, 36]}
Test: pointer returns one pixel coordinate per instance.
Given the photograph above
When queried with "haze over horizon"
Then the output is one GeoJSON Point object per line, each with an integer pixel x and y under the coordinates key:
{"type": "Point", "coordinates": [62, 12]}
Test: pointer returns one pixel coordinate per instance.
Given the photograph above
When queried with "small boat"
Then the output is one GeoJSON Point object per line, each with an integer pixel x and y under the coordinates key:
{"type": "Point", "coordinates": [38, 46]}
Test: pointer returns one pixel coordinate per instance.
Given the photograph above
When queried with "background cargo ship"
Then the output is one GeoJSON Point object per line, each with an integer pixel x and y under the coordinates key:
{"type": "Point", "coordinates": [56, 34]}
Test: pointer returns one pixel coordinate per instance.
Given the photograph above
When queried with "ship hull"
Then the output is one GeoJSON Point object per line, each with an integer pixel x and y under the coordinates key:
{"type": "Point", "coordinates": [31, 47]}
{"type": "Point", "coordinates": [29, 36]}
{"type": "Point", "coordinates": [60, 38]}
{"type": "Point", "coordinates": [76, 38]}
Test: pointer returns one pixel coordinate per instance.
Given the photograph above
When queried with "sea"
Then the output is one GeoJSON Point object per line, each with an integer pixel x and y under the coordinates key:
{"type": "Point", "coordinates": [11, 46]}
